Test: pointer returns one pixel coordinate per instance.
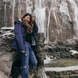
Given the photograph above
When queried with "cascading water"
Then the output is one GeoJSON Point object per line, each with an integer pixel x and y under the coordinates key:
{"type": "Point", "coordinates": [29, 6]}
{"type": "Point", "coordinates": [13, 11]}
{"type": "Point", "coordinates": [19, 9]}
{"type": "Point", "coordinates": [74, 16]}
{"type": "Point", "coordinates": [40, 18]}
{"type": "Point", "coordinates": [64, 9]}
{"type": "Point", "coordinates": [5, 14]}
{"type": "Point", "coordinates": [47, 36]}
{"type": "Point", "coordinates": [40, 15]}
{"type": "Point", "coordinates": [44, 12]}
{"type": "Point", "coordinates": [50, 9]}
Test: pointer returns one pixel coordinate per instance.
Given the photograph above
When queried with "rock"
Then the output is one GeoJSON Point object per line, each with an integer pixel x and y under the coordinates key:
{"type": "Point", "coordinates": [74, 53]}
{"type": "Point", "coordinates": [51, 57]}
{"type": "Point", "coordinates": [7, 54]}
{"type": "Point", "coordinates": [70, 41]}
{"type": "Point", "coordinates": [39, 71]}
{"type": "Point", "coordinates": [76, 40]}
{"type": "Point", "coordinates": [7, 32]}
{"type": "Point", "coordinates": [2, 75]}
{"type": "Point", "coordinates": [61, 49]}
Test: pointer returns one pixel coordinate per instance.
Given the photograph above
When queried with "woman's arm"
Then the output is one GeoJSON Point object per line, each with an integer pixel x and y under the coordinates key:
{"type": "Point", "coordinates": [35, 29]}
{"type": "Point", "coordinates": [19, 37]}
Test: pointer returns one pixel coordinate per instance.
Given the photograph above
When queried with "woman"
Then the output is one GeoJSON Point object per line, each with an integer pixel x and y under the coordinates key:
{"type": "Point", "coordinates": [24, 38]}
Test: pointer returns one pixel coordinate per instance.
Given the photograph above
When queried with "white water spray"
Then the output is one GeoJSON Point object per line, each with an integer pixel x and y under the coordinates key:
{"type": "Point", "coordinates": [74, 9]}
{"type": "Point", "coordinates": [29, 6]}
{"type": "Point", "coordinates": [13, 10]}
{"type": "Point", "coordinates": [19, 9]}
{"type": "Point", "coordinates": [39, 12]}
{"type": "Point", "coordinates": [47, 37]}
{"type": "Point", "coordinates": [5, 14]}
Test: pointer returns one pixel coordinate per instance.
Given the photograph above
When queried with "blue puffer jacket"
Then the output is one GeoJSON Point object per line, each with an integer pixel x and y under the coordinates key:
{"type": "Point", "coordinates": [21, 36]}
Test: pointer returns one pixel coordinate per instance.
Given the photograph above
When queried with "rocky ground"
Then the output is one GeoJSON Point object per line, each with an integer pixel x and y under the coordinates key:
{"type": "Point", "coordinates": [62, 56]}
{"type": "Point", "coordinates": [62, 49]}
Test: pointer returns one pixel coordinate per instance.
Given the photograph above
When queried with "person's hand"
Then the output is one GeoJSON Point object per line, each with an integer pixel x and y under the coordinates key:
{"type": "Point", "coordinates": [23, 51]}
{"type": "Point", "coordinates": [33, 18]}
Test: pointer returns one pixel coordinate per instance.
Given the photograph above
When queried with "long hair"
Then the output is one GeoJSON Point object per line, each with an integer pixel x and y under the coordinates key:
{"type": "Point", "coordinates": [29, 25]}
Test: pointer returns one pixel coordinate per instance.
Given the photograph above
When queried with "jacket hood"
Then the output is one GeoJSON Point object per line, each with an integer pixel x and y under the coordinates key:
{"type": "Point", "coordinates": [19, 21]}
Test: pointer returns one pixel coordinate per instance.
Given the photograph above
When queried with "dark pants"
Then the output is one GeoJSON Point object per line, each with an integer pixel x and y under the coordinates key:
{"type": "Point", "coordinates": [28, 60]}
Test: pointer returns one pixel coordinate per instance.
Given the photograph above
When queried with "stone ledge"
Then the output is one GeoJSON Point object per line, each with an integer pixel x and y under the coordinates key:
{"type": "Point", "coordinates": [59, 69]}
{"type": "Point", "coordinates": [69, 72]}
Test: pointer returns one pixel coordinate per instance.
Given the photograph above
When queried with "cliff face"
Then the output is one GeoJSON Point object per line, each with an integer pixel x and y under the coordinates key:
{"type": "Point", "coordinates": [6, 55]}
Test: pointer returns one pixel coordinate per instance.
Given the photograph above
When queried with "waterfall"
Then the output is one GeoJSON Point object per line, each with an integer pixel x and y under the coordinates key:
{"type": "Point", "coordinates": [29, 6]}
{"type": "Point", "coordinates": [58, 9]}
{"type": "Point", "coordinates": [39, 12]}
{"type": "Point", "coordinates": [40, 15]}
{"type": "Point", "coordinates": [5, 14]}
{"type": "Point", "coordinates": [38, 3]}
{"type": "Point", "coordinates": [74, 9]}
{"type": "Point", "coordinates": [48, 24]}
{"type": "Point", "coordinates": [19, 9]}
{"type": "Point", "coordinates": [51, 8]}
{"type": "Point", "coordinates": [64, 9]}
{"type": "Point", "coordinates": [55, 16]}
{"type": "Point", "coordinates": [13, 11]}
{"type": "Point", "coordinates": [47, 36]}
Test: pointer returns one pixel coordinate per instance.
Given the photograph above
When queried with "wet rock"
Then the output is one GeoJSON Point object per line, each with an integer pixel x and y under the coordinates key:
{"type": "Point", "coordinates": [7, 32]}
{"type": "Point", "coordinates": [71, 41]}
{"type": "Point", "coordinates": [2, 75]}
{"type": "Point", "coordinates": [7, 54]}
{"type": "Point", "coordinates": [62, 49]}
{"type": "Point", "coordinates": [39, 71]}
{"type": "Point", "coordinates": [74, 53]}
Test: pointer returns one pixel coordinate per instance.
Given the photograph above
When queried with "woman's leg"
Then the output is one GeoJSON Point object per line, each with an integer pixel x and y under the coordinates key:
{"type": "Point", "coordinates": [32, 59]}
{"type": "Point", "coordinates": [15, 69]}
{"type": "Point", "coordinates": [25, 63]}
{"type": "Point", "coordinates": [39, 61]}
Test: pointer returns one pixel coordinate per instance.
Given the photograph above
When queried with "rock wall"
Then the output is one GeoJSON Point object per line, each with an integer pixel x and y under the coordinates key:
{"type": "Point", "coordinates": [7, 54]}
